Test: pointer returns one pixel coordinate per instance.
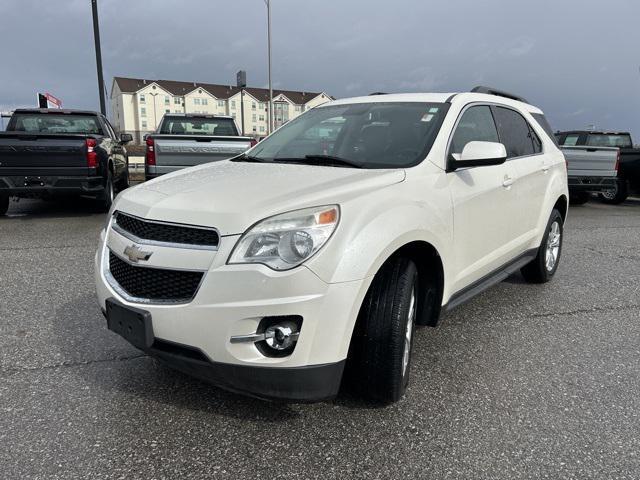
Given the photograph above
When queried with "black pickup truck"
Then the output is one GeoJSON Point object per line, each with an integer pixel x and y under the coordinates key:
{"type": "Point", "coordinates": [51, 152]}
{"type": "Point", "coordinates": [628, 180]}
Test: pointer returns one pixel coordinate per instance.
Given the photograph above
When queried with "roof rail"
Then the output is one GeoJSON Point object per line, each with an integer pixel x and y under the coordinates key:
{"type": "Point", "coordinates": [378, 93]}
{"type": "Point", "coordinates": [499, 93]}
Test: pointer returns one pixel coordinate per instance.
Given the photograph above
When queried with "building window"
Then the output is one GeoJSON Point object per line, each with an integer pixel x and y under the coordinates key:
{"type": "Point", "coordinates": [261, 117]}
{"type": "Point", "coordinates": [233, 115]}
{"type": "Point", "coordinates": [205, 101]}
{"type": "Point", "coordinates": [221, 103]}
{"type": "Point", "coordinates": [166, 100]}
{"type": "Point", "coordinates": [233, 104]}
{"type": "Point", "coordinates": [196, 101]}
{"type": "Point", "coordinates": [253, 105]}
{"type": "Point", "coordinates": [254, 129]}
{"type": "Point", "coordinates": [176, 100]}
{"type": "Point", "coordinates": [144, 124]}
{"type": "Point", "coordinates": [167, 111]}
{"type": "Point", "coordinates": [253, 117]}
{"type": "Point", "coordinates": [261, 128]}
{"type": "Point", "coordinates": [298, 108]}
{"type": "Point", "coordinates": [142, 98]}
{"type": "Point", "coordinates": [143, 112]}
{"type": "Point", "coordinates": [263, 106]}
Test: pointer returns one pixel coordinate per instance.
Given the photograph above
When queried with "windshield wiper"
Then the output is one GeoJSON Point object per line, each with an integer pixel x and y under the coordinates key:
{"type": "Point", "coordinates": [328, 160]}
{"type": "Point", "coordinates": [248, 158]}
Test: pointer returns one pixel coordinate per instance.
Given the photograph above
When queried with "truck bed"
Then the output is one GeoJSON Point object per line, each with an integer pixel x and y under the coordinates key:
{"type": "Point", "coordinates": [591, 169]}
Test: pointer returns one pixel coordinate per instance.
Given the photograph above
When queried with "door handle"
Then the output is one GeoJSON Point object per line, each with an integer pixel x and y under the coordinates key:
{"type": "Point", "coordinates": [507, 182]}
{"type": "Point", "coordinates": [545, 168]}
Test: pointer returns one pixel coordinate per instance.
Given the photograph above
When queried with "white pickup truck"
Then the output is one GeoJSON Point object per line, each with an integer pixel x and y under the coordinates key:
{"type": "Point", "coordinates": [186, 140]}
{"type": "Point", "coordinates": [590, 170]}
{"type": "Point", "coordinates": [318, 251]}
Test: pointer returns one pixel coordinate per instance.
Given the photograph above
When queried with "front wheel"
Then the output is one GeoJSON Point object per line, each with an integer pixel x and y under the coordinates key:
{"type": "Point", "coordinates": [380, 354]}
{"type": "Point", "coordinates": [617, 194]}
{"type": "Point", "coordinates": [542, 268]}
{"type": "Point", "coordinates": [4, 204]}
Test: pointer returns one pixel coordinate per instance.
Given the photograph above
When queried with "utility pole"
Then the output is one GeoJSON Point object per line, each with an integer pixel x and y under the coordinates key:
{"type": "Point", "coordinates": [268, 3]}
{"type": "Point", "coordinates": [96, 38]}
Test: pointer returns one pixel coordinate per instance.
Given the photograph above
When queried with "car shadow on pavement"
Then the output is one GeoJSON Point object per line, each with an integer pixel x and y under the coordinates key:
{"type": "Point", "coordinates": [64, 207]}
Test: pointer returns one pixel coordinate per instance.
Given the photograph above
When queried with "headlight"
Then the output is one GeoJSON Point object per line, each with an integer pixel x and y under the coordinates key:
{"type": "Point", "coordinates": [285, 241]}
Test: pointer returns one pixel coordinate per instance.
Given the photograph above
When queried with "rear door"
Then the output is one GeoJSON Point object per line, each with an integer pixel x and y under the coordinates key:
{"type": "Point", "coordinates": [483, 200]}
{"type": "Point", "coordinates": [524, 153]}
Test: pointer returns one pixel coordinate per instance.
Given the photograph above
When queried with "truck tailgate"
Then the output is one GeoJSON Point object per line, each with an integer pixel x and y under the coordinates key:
{"type": "Point", "coordinates": [591, 161]}
{"type": "Point", "coordinates": [186, 151]}
{"type": "Point", "coordinates": [21, 154]}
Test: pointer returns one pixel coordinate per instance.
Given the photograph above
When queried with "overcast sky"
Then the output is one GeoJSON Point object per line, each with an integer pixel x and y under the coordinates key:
{"type": "Point", "coordinates": [579, 60]}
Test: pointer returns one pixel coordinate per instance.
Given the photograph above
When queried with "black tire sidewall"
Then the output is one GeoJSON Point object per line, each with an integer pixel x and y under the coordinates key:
{"type": "Point", "coordinates": [4, 204]}
{"type": "Point", "coordinates": [622, 192]}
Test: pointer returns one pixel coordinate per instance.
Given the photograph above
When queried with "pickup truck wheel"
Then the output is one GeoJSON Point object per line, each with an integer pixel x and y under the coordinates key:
{"type": "Point", "coordinates": [542, 268]}
{"type": "Point", "coordinates": [617, 194]}
{"type": "Point", "coordinates": [106, 198]}
{"type": "Point", "coordinates": [4, 204]}
{"type": "Point", "coordinates": [380, 354]}
{"type": "Point", "coordinates": [579, 198]}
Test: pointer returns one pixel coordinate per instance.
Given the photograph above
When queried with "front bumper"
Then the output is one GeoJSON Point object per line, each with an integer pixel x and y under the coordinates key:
{"type": "Point", "coordinates": [231, 301]}
{"type": "Point", "coordinates": [49, 186]}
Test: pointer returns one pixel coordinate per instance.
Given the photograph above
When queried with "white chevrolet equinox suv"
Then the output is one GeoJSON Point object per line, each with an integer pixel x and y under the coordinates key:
{"type": "Point", "coordinates": [314, 255]}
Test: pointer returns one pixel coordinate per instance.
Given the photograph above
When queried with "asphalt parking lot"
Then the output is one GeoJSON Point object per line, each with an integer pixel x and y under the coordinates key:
{"type": "Point", "coordinates": [523, 382]}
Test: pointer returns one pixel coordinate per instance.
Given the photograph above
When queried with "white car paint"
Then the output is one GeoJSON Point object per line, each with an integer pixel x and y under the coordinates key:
{"type": "Point", "coordinates": [476, 218]}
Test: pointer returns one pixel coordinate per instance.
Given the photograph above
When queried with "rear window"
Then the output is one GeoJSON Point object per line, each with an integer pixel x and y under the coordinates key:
{"type": "Point", "coordinates": [542, 121]}
{"type": "Point", "coordinates": [514, 133]}
{"type": "Point", "coordinates": [609, 140]}
{"type": "Point", "coordinates": [198, 126]}
{"type": "Point", "coordinates": [55, 123]}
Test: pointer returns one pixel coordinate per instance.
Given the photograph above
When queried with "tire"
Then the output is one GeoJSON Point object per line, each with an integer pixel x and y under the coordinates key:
{"type": "Point", "coordinates": [123, 184]}
{"type": "Point", "coordinates": [616, 195]}
{"type": "Point", "coordinates": [579, 198]}
{"type": "Point", "coordinates": [380, 354]}
{"type": "Point", "coordinates": [104, 202]}
{"type": "Point", "coordinates": [542, 268]}
{"type": "Point", "coordinates": [4, 204]}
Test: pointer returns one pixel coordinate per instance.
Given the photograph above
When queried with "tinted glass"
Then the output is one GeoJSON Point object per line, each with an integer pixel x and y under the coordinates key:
{"type": "Point", "coordinates": [609, 140]}
{"type": "Point", "coordinates": [476, 125]}
{"type": "Point", "coordinates": [198, 126]}
{"type": "Point", "coordinates": [56, 123]}
{"type": "Point", "coordinates": [514, 132]}
{"type": "Point", "coordinates": [373, 135]}
{"type": "Point", "coordinates": [542, 121]}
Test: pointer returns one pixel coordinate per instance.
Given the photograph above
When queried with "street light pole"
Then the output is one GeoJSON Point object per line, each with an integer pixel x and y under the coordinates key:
{"type": "Point", "coordinates": [96, 38]}
{"type": "Point", "coordinates": [268, 3]}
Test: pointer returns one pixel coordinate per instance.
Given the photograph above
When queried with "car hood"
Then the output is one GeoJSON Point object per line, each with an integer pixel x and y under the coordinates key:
{"type": "Point", "coordinates": [232, 196]}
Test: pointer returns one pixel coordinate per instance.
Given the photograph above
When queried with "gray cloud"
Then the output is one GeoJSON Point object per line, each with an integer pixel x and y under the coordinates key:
{"type": "Point", "coordinates": [577, 60]}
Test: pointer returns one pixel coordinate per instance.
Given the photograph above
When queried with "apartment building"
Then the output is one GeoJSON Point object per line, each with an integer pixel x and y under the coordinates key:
{"type": "Point", "coordinates": [137, 105]}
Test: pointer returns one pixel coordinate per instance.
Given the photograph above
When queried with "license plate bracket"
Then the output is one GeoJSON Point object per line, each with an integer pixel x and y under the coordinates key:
{"type": "Point", "coordinates": [133, 324]}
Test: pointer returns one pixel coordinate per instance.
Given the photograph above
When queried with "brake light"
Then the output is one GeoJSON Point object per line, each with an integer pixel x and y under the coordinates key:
{"type": "Point", "coordinates": [92, 155]}
{"type": "Point", "coordinates": [253, 142]}
{"type": "Point", "coordinates": [618, 160]}
{"type": "Point", "coordinates": [150, 157]}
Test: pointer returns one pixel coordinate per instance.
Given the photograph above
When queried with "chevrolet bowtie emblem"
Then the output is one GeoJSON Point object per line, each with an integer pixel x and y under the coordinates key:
{"type": "Point", "coordinates": [135, 254]}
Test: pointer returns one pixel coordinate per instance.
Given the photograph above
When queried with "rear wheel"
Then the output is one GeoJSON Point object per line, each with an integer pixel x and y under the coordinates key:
{"type": "Point", "coordinates": [579, 198]}
{"type": "Point", "coordinates": [542, 268]}
{"type": "Point", "coordinates": [105, 200]}
{"type": "Point", "coordinates": [617, 194]}
{"type": "Point", "coordinates": [4, 204]}
{"type": "Point", "coordinates": [380, 356]}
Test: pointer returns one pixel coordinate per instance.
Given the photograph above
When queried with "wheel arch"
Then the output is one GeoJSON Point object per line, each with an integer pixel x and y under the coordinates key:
{"type": "Point", "coordinates": [562, 205]}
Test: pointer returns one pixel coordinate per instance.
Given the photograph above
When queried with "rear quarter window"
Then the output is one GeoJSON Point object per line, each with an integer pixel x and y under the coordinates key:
{"type": "Point", "coordinates": [514, 132]}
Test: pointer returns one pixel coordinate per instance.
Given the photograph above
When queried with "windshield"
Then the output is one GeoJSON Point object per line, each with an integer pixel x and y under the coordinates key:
{"type": "Point", "coordinates": [56, 123]}
{"type": "Point", "coordinates": [198, 126]}
{"type": "Point", "coordinates": [369, 135]}
{"type": "Point", "coordinates": [609, 140]}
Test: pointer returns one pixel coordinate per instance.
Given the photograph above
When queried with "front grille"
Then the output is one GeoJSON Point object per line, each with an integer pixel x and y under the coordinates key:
{"type": "Point", "coordinates": [154, 284]}
{"type": "Point", "coordinates": [166, 232]}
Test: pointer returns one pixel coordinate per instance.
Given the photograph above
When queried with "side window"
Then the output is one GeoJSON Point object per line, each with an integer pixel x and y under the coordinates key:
{"type": "Point", "coordinates": [570, 140]}
{"type": "Point", "coordinates": [476, 124]}
{"type": "Point", "coordinates": [537, 143]}
{"type": "Point", "coordinates": [515, 132]}
{"type": "Point", "coordinates": [110, 129]}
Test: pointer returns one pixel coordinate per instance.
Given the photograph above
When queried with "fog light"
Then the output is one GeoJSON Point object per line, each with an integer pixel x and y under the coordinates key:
{"type": "Point", "coordinates": [281, 336]}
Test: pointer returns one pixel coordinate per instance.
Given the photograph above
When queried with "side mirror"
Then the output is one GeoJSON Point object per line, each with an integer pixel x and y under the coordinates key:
{"type": "Point", "coordinates": [478, 154]}
{"type": "Point", "coordinates": [126, 138]}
